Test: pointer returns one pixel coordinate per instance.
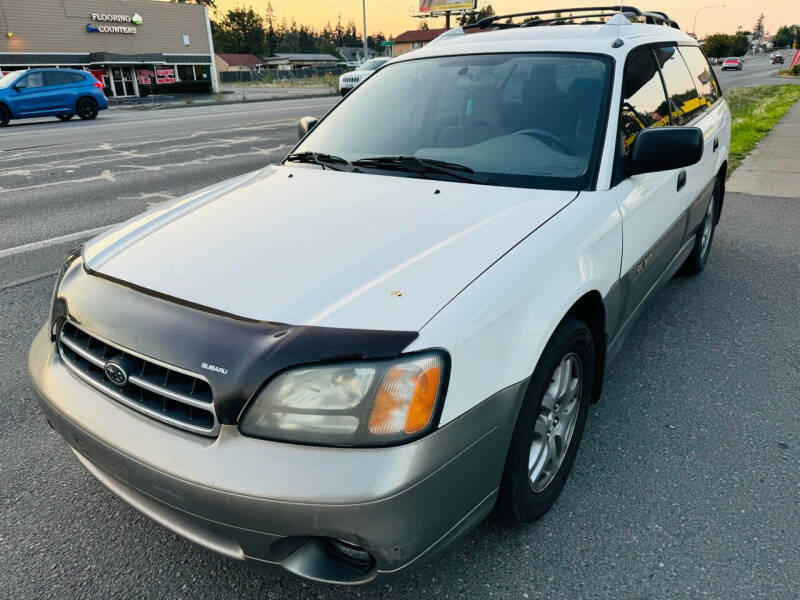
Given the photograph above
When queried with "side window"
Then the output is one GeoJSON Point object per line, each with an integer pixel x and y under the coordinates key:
{"type": "Point", "coordinates": [704, 78]}
{"type": "Point", "coordinates": [683, 99]}
{"type": "Point", "coordinates": [644, 104]}
{"type": "Point", "coordinates": [34, 80]}
{"type": "Point", "coordinates": [57, 78]}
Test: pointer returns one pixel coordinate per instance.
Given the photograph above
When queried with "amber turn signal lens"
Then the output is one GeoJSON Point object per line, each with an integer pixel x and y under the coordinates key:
{"type": "Point", "coordinates": [406, 399]}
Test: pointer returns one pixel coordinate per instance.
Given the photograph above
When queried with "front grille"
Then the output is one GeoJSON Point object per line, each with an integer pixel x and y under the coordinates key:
{"type": "Point", "coordinates": [165, 393]}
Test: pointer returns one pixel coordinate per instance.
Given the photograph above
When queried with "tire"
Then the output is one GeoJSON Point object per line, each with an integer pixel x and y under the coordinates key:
{"type": "Point", "coordinates": [5, 116]}
{"type": "Point", "coordinates": [531, 482]}
{"type": "Point", "coordinates": [87, 109]}
{"type": "Point", "coordinates": [65, 117]}
{"type": "Point", "coordinates": [696, 261]}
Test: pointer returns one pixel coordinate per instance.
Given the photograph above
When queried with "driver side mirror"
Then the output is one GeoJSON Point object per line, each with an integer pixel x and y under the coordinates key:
{"type": "Point", "coordinates": [665, 148]}
{"type": "Point", "coordinates": [305, 125]}
{"type": "Point", "coordinates": [20, 86]}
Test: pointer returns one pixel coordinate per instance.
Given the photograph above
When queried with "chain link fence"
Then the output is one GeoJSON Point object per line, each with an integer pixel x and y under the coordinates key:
{"type": "Point", "coordinates": [279, 75]}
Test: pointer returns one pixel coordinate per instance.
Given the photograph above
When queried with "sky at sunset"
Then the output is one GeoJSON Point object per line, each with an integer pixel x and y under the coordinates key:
{"type": "Point", "coordinates": [392, 16]}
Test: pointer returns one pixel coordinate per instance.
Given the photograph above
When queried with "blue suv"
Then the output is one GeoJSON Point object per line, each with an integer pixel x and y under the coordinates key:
{"type": "Point", "coordinates": [61, 93]}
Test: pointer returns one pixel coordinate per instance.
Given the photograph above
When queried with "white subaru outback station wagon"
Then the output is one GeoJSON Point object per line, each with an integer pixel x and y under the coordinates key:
{"type": "Point", "coordinates": [338, 365]}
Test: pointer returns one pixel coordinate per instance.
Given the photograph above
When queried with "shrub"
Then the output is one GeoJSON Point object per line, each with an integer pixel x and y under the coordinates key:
{"type": "Point", "coordinates": [795, 70]}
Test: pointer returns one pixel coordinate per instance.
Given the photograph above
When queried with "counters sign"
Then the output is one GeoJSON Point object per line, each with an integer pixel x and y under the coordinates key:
{"type": "Point", "coordinates": [122, 24]}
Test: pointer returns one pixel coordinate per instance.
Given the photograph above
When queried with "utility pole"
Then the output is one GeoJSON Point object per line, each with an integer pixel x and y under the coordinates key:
{"type": "Point", "coordinates": [366, 50]}
{"type": "Point", "coordinates": [447, 21]}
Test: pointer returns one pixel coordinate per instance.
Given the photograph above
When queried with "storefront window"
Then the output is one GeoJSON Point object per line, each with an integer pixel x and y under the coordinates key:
{"type": "Point", "coordinates": [185, 72]}
{"type": "Point", "coordinates": [202, 72]}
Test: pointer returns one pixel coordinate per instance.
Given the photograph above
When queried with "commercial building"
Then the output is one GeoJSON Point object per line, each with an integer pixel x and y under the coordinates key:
{"type": "Point", "coordinates": [126, 44]}
{"type": "Point", "coordinates": [414, 40]}
{"type": "Point", "coordinates": [301, 60]}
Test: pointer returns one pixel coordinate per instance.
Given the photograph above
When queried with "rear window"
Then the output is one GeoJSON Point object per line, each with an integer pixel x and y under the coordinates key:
{"type": "Point", "coordinates": [63, 77]}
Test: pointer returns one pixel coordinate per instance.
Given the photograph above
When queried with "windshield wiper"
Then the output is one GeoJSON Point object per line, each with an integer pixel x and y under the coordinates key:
{"type": "Point", "coordinates": [326, 161]}
{"type": "Point", "coordinates": [422, 166]}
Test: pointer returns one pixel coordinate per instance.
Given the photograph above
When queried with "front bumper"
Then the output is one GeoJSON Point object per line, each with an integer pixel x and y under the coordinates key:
{"type": "Point", "coordinates": [276, 503]}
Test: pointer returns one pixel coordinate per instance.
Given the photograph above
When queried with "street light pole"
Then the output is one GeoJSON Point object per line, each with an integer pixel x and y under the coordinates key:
{"type": "Point", "coordinates": [366, 51]}
{"type": "Point", "coordinates": [694, 24]}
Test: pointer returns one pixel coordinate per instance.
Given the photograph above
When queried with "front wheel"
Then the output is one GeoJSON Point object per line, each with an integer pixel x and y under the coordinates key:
{"type": "Point", "coordinates": [696, 261]}
{"type": "Point", "coordinates": [87, 109]}
{"type": "Point", "coordinates": [5, 116]}
{"type": "Point", "coordinates": [550, 424]}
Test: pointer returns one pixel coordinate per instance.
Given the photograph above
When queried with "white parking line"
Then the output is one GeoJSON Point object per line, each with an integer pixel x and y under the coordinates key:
{"type": "Point", "coordinates": [62, 239]}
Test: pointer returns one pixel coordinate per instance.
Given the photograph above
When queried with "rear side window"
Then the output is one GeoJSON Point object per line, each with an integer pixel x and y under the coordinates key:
{"type": "Point", "coordinates": [62, 77]}
{"type": "Point", "coordinates": [644, 104]}
{"type": "Point", "coordinates": [704, 80]}
{"type": "Point", "coordinates": [683, 98]}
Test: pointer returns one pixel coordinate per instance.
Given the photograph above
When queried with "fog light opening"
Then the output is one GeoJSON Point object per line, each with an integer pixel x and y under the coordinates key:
{"type": "Point", "coordinates": [349, 553]}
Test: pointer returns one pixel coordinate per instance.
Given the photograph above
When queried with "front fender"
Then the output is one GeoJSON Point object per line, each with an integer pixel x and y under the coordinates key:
{"type": "Point", "coordinates": [497, 327]}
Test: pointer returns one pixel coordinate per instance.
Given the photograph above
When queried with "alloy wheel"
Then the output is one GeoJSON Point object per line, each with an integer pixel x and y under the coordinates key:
{"type": "Point", "coordinates": [555, 423]}
{"type": "Point", "coordinates": [708, 227]}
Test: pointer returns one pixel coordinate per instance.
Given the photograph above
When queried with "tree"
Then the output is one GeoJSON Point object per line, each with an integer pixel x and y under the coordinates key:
{"type": "Point", "coordinates": [758, 30]}
{"type": "Point", "coordinates": [786, 36]}
{"type": "Point", "coordinates": [718, 45]}
{"type": "Point", "coordinates": [474, 17]}
{"type": "Point", "coordinates": [739, 45]}
{"type": "Point", "coordinates": [241, 31]}
{"type": "Point", "coordinates": [211, 3]}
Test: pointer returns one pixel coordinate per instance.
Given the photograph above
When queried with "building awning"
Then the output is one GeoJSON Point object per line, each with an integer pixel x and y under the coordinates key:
{"type": "Point", "coordinates": [105, 58]}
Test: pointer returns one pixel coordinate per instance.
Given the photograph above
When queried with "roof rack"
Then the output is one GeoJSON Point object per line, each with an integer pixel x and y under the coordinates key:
{"type": "Point", "coordinates": [558, 18]}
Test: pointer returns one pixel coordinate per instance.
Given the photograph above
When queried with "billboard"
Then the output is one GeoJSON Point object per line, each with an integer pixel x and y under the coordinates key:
{"type": "Point", "coordinates": [433, 6]}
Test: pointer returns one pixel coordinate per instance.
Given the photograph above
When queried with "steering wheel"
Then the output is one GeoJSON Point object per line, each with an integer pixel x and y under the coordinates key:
{"type": "Point", "coordinates": [548, 138]}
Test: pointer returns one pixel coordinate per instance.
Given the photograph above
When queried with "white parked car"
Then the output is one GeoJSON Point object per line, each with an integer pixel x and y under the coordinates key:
{"type": "Point", "coordinates": [349, 81]}
{"type": "Point", "coordinates": [339, 365]}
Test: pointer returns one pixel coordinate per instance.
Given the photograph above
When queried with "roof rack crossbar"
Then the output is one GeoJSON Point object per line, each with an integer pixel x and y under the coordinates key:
{"type": "Point", "coordinates": [657, 17]}
{"type": "Point", "coordinates": [562, 20]}
{"type": "Point", "coordinates": [653, 17]}
{"type": "Point", "coordinates": [485, 22]}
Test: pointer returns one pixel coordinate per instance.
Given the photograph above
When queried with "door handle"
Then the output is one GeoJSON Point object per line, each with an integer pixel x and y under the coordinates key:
{"type": "Point", "coordinates": [716, 144]}
{"type": "Point", "coordinates": [681, 179]}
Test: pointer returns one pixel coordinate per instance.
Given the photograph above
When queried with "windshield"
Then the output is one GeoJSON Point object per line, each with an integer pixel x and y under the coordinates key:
{"type": "Point", "coordinates": [9, 79]}
{"type": "Point", "coordinates": [522, 120]}
{"type": "Point", "coordinates": [373, 64]}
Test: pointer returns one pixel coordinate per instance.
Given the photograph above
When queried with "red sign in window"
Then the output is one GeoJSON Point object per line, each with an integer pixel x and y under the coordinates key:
{"type": "Point", "coordinates": [145, 76]}
{"type": "Point", "coordinates": [165, 75]}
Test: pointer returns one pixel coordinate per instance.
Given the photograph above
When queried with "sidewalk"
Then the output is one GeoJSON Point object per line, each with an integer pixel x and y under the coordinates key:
{"type": "Point", "coordinates": [771, 169]}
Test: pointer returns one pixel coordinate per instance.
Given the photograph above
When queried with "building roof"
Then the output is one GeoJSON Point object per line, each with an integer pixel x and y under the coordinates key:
{"type": "Point", "coordinates": [307, 56]}
{"type": "Point", "coordinates": [419, 35]}
{"type": "Point", "coordinates": [236, 60]}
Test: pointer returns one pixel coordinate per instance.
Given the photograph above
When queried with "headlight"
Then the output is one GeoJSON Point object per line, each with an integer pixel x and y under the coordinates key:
{"type": "Point", "coordinates": [58, 308]}
{"type": "Point", "coordinates": [350, 404]}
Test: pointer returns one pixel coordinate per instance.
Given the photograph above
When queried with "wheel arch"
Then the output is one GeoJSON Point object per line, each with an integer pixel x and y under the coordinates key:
{"type": "Point", "coordinates": [7, 107]}
{"type": "Point", "coordinates": [722, 175]}
{"type": "Point", "coordinates": [591, 310]}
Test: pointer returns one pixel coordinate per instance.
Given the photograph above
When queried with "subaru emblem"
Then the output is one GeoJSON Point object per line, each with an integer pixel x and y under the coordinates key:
{"type": "Point", "coordinates": [116, 374]}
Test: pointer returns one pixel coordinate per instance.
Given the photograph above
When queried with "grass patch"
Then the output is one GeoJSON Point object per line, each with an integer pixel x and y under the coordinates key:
{"type": "Point", "coordinates": [755, 111]}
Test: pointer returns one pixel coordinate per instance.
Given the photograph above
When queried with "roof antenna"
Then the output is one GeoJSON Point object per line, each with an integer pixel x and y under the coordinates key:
{"type": "Point", "coordinates": [618, 42]}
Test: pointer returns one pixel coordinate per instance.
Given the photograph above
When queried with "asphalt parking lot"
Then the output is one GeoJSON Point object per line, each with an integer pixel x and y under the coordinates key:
{"type": "Point", "coordinates": [687, 483]}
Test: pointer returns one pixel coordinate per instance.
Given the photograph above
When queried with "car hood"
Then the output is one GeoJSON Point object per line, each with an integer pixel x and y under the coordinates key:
{"type": "Point", "coordinates": [307, 246]}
